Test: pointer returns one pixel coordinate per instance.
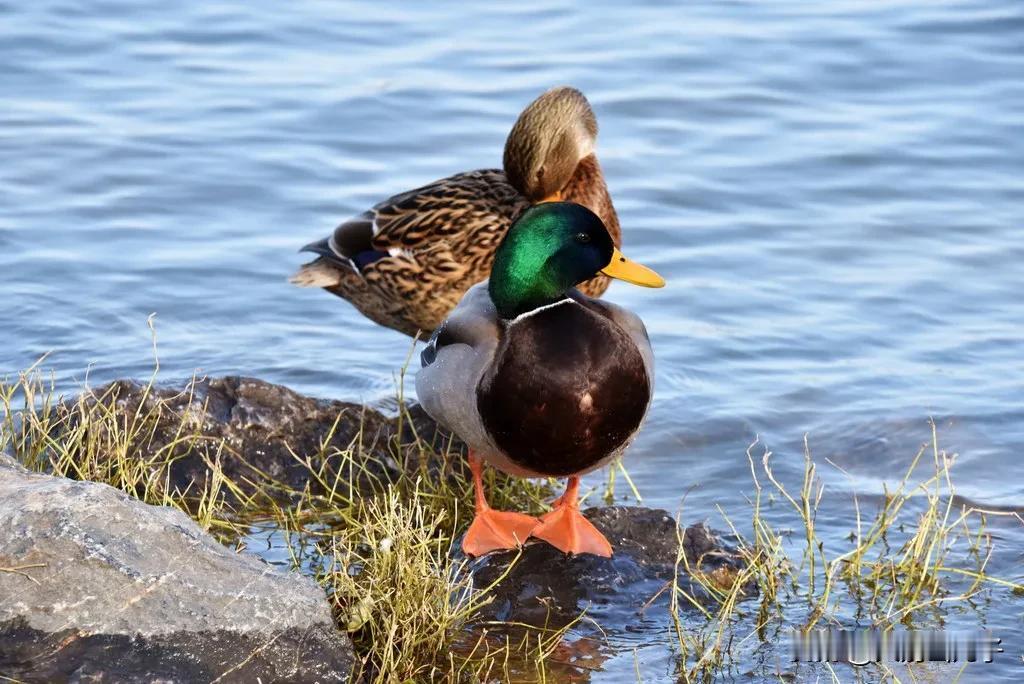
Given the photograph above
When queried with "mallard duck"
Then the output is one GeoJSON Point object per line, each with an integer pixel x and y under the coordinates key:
{"type": "Point", "coordinates": [538, 379]}
{"type": "Point", "coordinates": [406, 262]}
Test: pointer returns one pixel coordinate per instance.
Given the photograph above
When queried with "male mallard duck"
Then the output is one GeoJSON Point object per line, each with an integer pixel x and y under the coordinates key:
{"type": "Point", "coordinates": [407, 262]}
{"type": "Point", "coordinates": [538, 379]}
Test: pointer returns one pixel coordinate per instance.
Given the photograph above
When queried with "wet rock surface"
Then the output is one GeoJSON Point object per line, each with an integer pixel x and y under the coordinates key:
{"type": "Point", "coordinates": [546, 587]}
{"type": "Point", "coordinates": [96, 586]}
{"type": "Point", "coordinates": [263, 427]}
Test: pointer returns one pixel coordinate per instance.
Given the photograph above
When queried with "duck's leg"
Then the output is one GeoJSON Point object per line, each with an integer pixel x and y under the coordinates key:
{"type": "Point", "coordinates": [493, 530]}
{"type": "Point", "coordinates": [567, 530]}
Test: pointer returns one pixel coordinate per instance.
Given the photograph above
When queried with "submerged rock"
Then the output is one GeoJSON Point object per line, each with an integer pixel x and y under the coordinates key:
{"type": "Point", "coordinates": [256, 431]}
{"type": "Point", "coordinates": [546, 587]}
{"type": "Point", "coordinates": [96, 586]}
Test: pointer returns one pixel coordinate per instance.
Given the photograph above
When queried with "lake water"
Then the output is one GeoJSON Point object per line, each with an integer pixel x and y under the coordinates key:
{"type": "Point", "coordinates": [834, 192]}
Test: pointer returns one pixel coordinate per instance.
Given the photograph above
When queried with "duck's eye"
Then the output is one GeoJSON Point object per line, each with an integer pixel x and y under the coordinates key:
{"type": "Point", "coordinates": [582, 238]}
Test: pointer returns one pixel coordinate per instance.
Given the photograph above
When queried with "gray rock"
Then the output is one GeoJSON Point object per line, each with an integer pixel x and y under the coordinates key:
{"type": "Point", "coordinates": [99, 587]}
{"type": "Point", "coordinates": [9, 463]}
{"type": "Point", "coordinates": [545, 586]}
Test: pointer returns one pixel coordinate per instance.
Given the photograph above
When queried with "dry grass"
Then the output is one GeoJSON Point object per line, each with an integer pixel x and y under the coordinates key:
{"type": "Point", "coordinates": [384, 555]}
{"type": "Point", "coordinates": [904, 563]}
{"type": "Point", "coordinates": [385, 559]}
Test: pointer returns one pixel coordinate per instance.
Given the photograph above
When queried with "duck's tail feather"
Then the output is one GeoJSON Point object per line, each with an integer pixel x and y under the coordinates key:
{"type": "Point", "coordinates": [319, 273]}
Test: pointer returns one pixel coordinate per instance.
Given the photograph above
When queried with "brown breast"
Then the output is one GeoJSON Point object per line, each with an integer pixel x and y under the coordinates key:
{"type": "Point", "coordinates": [568, 388]}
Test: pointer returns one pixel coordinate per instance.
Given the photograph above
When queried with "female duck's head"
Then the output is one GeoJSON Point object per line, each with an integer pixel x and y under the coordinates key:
{"type": "Point", "coordinates": [548, 141]}
{"type": "Point", "coordinates": [550, 249]}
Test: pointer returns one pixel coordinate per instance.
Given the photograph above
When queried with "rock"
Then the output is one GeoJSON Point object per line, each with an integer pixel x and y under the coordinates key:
{"type": "Point", "coordinates": [99, 587]}
{"type": "Point", "coordinates": [263, 428]}
{"type": "Point", "coordinates": [545, 586]}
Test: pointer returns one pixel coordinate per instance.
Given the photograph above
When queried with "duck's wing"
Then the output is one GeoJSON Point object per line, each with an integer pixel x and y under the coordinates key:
{"type": "Point", "coordinates": [407, 262]}
{"type": "Point", "coordinates": [458, 353]}
{"type": "Point", "coordinates": [447, 226]}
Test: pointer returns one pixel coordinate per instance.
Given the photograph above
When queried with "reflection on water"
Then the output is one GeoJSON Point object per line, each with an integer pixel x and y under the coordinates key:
{"type": "Point", "coordinates": [834, 191]}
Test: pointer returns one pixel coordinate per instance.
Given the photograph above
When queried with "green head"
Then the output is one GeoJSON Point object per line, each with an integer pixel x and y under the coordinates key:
{"type": "Point", "coordinates": [549, 250]}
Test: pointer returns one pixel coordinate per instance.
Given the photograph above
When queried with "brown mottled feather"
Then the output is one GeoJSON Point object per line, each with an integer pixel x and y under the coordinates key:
{"type": "Point", "coordinates": [440, 241]}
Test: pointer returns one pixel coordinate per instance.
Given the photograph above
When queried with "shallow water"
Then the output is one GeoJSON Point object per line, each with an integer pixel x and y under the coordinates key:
{"type": "Point", "coordinates": [834, 191]}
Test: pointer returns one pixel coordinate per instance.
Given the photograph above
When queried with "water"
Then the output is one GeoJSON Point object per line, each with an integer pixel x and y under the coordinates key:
{"type": "Point", "coordinates": [835, 192]}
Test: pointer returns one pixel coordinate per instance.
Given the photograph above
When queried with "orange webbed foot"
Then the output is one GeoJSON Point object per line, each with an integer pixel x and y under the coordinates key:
{"type": "Point", "coordinates": [496, 531]}
{"type": "Point", "coordinates": [567, 530]}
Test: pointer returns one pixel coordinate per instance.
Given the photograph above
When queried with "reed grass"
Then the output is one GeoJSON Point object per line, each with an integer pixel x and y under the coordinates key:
{"type": "Point", "coordinates": [910, 558]}
{"type": "Point", "coordinates": [385, 555]}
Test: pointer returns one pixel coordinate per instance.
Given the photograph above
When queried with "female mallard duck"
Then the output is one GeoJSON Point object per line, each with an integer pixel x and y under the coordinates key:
{"type": "Point", "coordinates": [538, 379]}
{"type": "Point", "coordinates": [407, 262]}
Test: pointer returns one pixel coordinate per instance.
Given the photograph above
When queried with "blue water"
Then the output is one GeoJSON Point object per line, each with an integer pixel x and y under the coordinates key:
{"type": "Point", "coordinates": [834, 191]}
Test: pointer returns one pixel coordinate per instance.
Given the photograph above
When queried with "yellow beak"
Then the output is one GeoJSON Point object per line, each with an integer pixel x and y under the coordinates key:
{"type": "Point", "coordinates": [632, 272]}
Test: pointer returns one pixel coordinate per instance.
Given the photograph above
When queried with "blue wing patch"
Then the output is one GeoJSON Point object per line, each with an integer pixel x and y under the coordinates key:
{"type": "Point", "coordinates": [429, 353]}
